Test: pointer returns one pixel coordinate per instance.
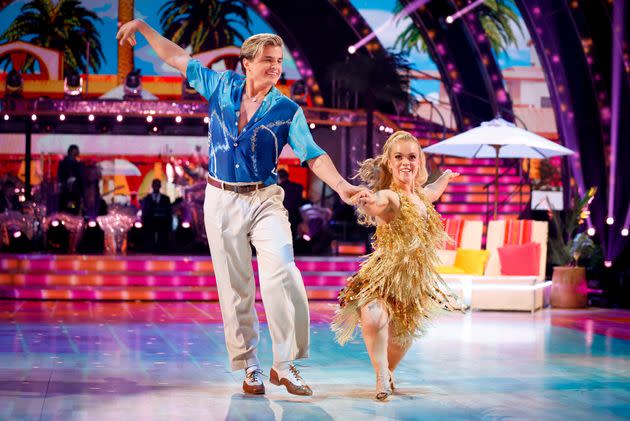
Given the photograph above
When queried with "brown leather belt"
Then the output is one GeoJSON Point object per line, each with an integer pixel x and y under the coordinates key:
{"type": "Point", "coordinates": [236, 188]}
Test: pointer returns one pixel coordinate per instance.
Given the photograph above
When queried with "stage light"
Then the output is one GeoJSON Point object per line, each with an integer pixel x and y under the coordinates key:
{"type": "Point", "coordinates": [449, 19]}
{"type": "Point", "coordinates": [352, 49]}
{"type": "Point", "coordinates": [381, 128]}
{"type": "Point", "coordinates": [178, 119]}
{"type": "Point", "coordinates": [72, 85]}
{"type": "Point", "coordinates": [91, 117]}
{"type": "Point", "coordinates": [610, 220]}
{"type": "Point", "coordinates": [624, 232]}
{"type": "Point", "coordinates": [34, 117]}
{"type": "Point", "coordinates": [186, 224]}
{"type": "Point", "coordinates": [133, 85]}
{"type": "Point", "coordinates": [149, 119]}
{"type": "Point", "coordinates": [608, 263]}
{"type": "Point", "coordinates": [57, 237]}
{"type": "Point", "coordinates": [19, 242]}
{"type": "Point", "coordinates": [333, 127]}
{"type": "Point", "coordinates": [137, 224]}
{"type": "Point", "coordinates": [119, 118]}
{"type": "Point", "coordinates": [62, 117]}
{"type": "Point", "coordinates": [206, 119]}
{"type": "Point", "coordinates": [312, 126]}
{"type": "Point", "coordinates": [591, 231]}
{"type": "Point", "coordinates": [14, 84]}
{"type": "Point", "coordinates": [93, 239]}
{"type": "Point", "coordinates": [155, 129]}
{"type": "Point", "coordinates": [6, 117]}
{"type": "Point", "coordinates": [306, 237]}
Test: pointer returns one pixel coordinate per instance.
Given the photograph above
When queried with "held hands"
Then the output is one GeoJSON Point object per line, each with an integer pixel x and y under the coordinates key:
{"type": "Point", "coordinates": [127, 32]}
{"type": "Point", "coordinates": [347, 191]}
{"type": "Point", "coordinates": [364, 198]}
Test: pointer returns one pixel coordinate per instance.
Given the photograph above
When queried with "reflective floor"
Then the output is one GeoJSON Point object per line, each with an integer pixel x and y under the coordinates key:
{"type": "Point", "coordinates": [145, 361]}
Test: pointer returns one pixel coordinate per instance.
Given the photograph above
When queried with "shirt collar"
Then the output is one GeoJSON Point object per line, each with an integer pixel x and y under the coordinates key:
{"type": "Point", "coordinates": [270, 99]}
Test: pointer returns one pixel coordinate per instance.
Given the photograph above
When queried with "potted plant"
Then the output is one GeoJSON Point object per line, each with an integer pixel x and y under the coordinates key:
{"type": "Point", "coordinates": [567, 249]}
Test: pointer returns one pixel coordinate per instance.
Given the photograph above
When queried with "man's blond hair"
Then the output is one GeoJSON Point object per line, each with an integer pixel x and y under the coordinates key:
{"type": "Point", "coordinates": [254, 45]}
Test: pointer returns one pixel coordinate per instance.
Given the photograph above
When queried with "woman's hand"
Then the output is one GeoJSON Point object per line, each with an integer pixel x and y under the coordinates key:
{"type": "Point", "coordinates": [448, 174]}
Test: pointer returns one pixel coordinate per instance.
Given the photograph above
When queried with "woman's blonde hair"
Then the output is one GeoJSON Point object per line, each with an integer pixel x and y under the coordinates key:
{"type": "Point", "coordinates": [254, 45]}
{"type": "Point", "coordinates": [375, 172]}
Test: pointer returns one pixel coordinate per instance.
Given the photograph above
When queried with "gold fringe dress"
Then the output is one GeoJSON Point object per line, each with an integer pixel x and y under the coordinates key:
{"type": "Point", "coordinates": [402, 273]}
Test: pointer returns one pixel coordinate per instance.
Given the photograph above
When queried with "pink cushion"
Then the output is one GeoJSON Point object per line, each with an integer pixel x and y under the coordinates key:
{"type": "Point", "coordinates": [520, 260]}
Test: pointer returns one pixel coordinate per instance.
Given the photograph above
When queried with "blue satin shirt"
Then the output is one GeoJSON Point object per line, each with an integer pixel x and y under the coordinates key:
{"type": "Point", "coordinates": [252, 155]}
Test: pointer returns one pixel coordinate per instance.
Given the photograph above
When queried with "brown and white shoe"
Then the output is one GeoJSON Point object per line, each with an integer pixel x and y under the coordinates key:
{"type": "Point", "coordinates": [291, 379]}
{"type": "Point", "coordinates": [253, 384]}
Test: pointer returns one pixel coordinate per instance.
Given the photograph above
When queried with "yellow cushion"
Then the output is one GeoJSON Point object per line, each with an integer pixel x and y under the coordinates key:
{"type": "Point", "coordinates": [450, 270]}
{"type": "Point", "coordinates": [472, 262]}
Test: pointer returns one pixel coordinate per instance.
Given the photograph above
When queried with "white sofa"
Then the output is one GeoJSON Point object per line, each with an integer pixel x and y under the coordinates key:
{"type": "Point", "coordinates": [494, 291]}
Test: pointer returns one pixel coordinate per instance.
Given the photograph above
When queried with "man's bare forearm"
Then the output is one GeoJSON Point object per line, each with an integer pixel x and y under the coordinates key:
{"type": "Point", "coordinates": [324, 168]}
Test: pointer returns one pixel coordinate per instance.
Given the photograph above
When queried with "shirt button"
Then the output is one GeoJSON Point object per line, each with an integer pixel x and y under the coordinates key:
{"type": "Point", "coordinates": [236, 124]}
{"type": "Point", "coordinates": [236, 165]}
{"type": "Point", "coordinates": [235, 144]}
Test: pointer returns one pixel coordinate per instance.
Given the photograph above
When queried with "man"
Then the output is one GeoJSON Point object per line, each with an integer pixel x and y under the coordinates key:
{"type": "Point", "coordinates": [292, 199]}
{"type": "Point", "coordinates": [157, 218]}
{"type": "Point", "coordinates": [9, 200]}
{"type": "Point", "coordinates": [70, 177]}
{"type": "Point", "coordinates": [250, 122]}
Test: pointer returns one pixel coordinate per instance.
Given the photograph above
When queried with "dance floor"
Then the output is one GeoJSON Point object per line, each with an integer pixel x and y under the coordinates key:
{"type": "Point", "coordinates": [166, 360]}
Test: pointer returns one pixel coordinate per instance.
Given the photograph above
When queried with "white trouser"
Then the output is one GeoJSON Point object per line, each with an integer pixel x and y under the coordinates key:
{"type": "Point", "coordinates": [233, 220]}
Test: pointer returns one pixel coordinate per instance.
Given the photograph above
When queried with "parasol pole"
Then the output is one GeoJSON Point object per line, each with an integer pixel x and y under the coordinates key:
{"type": "Point", "coordinates": [496, 179]}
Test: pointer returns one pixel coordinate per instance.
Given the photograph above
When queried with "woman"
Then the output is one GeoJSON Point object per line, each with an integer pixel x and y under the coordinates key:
{"type": "Point", "coordinates": [397, 288]}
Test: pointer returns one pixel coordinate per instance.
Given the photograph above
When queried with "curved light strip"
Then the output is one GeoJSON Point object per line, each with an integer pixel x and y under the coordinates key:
{"type": "Point", "coordinates": [304, 68]}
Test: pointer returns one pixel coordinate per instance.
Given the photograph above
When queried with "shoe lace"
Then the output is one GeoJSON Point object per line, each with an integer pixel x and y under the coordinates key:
{"type": "Point", "coordinates": [254, 375]}
{"type": "Point", "coordinates": [296, 373]}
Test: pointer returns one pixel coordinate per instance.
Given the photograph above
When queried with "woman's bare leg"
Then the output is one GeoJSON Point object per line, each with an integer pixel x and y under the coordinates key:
{"type": "Point", "coordinates": [395, 351]}
{"type": "Point", "coordinates": [375, 326]}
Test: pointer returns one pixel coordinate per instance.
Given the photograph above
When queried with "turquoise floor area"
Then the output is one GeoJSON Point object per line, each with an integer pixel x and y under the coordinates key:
{"type": "Point", "coordinates": [476, 366]}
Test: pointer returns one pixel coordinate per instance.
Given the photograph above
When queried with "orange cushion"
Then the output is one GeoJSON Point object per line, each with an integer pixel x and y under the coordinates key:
{"type": "Point", "coordinates": [520, 260]}
{"type": "Point", "coordinates": [472, 261]}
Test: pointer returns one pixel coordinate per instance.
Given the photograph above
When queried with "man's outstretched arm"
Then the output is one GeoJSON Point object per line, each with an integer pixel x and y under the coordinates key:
{"type": "Point", "coordinates": [171, 53]}
{"type": "Point", "coordinates": [324, 168]}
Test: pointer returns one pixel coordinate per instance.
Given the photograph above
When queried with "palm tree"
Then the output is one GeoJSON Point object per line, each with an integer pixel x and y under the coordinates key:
{"type": "Point", "coordinates": [496, 17]}
{"type": "Point", "coordinates": [64, 25]}
{"type": "Point", "coordinates": [378, 79]}
{"type": "Point", "coordinates": [204, 24]}
{"type": "Point", "coordinates": [125, 51]}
